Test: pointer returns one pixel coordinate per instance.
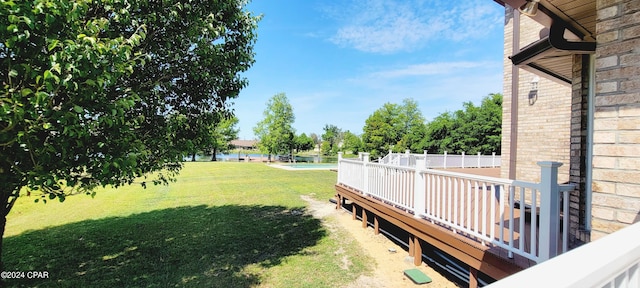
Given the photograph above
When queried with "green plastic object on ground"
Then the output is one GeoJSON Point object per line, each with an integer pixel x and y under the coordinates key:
{"type": "Point", "coordinates": [417, 276]}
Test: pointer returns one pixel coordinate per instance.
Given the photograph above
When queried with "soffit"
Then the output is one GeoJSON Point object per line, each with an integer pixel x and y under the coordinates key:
{"type": "Point", "coordinates": [553, 63]}
{"type": "Point", "coordinates": [580, 13]}
{"type": "Point", "coordinates": [579, 17]}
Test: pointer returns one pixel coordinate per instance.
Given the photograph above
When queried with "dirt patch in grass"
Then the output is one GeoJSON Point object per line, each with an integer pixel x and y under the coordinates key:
{"type": "Point", "coordinates": [389, 266]}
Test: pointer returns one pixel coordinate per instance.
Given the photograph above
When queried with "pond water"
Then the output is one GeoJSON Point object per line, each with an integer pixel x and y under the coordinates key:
{"type": "Point", "coordinates": [235, 156]}
{"type": "Point", "coordinates": [312, 165]}
{"type": "Point", "coordinates": [307, 166]}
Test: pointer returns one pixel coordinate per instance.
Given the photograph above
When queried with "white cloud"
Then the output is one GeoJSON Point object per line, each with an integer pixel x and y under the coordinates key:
{"type": "Point", "coordinates": [437, 86]}
{"type": "Point", "coordinates": [385, 26]}
{"type": "Point", "coordinates": [304, 102]}
{"type": "Point", "coordinates": [430, 69]}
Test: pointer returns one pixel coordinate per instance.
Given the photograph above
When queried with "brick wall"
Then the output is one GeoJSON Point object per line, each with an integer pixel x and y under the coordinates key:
{"type": "Point", "coordinates": [616, 159]}
{"type": "Point", "coordinates": [543, 122]}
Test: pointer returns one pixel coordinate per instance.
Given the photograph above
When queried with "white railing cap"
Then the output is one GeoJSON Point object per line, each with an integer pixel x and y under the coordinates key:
{"type": "Point", "coordinates": [592, 265]}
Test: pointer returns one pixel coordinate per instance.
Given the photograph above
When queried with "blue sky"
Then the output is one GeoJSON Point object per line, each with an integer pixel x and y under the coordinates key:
{"type": "Point", "coordinates": [339, 61]}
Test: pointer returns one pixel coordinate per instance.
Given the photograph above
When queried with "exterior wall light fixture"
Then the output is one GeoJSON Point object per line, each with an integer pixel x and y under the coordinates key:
{"type": "Point", "coordinates": [533, 92]}
{"type": "Point", "coordinates": [534, 83]}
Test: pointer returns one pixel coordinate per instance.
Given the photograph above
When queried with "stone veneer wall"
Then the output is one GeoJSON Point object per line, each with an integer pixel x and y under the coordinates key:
{"type": "Point", "coordinates": [543, 123]}
{"type": "Point", "coordinates": [579, 118]}
{"type": "Point", "coordinates": [616, 161]}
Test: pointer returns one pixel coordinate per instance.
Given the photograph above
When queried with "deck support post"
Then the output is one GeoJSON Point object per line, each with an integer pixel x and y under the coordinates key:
{"type": "Point", "coordinates": [415, 250]}
{"type": "Point", "coordinates": [364, 218]}
{"type": "Point", "coordinates": [549, 210]}
{"type": "Point", "coordinates": [411, 248]}
{"type": "Point", "coordinates": [473, 277]}
{"type": "Point", "coordinates": [354, 216]}
{"type": "Point", "coordinates": [376, 225]}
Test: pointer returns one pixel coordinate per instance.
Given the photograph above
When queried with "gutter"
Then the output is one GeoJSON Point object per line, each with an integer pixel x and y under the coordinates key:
{"type": "Point", "coordinates": [554, 42]}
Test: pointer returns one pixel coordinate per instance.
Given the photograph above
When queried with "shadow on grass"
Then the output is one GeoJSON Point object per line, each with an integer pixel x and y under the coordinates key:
{"type": "Point", "coordinates": [188, 246]}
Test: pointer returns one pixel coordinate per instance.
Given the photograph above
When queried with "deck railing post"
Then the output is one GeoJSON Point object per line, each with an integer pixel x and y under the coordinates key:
{"type": "Point", "coordinates": [419, 190]}
{"type": "Point", "coordinates": [462, 160]}
{"type": "Point", "coordinates": [407, 155]}
{"type": "Point", "coordinates": [549, 210]}
{"type": "Point", "coordinates": [426, 162]}
{"type": "Point", "coordinates": [444, 162]}
{"type": "Point", "coordinates": [479, 156]}
{"type": "Point", "coordinates": [365, 173]}
{"type": "Point", "coordinates": [339, 163]}
{"type": "Point", "coordinates": [493, 160]}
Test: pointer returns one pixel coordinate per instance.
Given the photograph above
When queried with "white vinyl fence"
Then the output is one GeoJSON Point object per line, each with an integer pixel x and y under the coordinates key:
{"type": "Point", "coordinates": [442, 160]}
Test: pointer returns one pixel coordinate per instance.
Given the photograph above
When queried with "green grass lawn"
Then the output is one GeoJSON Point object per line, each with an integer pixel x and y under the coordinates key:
{"type": "Point", "coordinates": [220, 225]}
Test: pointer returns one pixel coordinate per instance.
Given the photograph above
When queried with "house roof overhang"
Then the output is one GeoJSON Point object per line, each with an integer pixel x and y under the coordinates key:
{"type": "Point", "coordinates": [551, 55]}
{"type": "Point", "coordinates": [570, 32]}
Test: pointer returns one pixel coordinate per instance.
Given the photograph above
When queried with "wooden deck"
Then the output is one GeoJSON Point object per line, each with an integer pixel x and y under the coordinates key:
{"type": "Point", "coordinates": [480, 257]}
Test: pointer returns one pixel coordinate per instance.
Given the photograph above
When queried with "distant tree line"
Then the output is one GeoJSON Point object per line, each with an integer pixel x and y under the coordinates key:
{"type": "Point", "coordinates": [471, 130]}
{"type": "Point", "coordinates": [395, 127]}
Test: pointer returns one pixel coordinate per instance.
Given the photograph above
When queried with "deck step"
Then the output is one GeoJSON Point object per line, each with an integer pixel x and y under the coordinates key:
{"type": "Point", "coordinates": [417, 276]}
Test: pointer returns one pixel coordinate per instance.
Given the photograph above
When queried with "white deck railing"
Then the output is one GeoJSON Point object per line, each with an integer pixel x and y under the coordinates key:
{"type": "Point", "coordinates": [613, 261]}
{"type": "Point", "coordinates": [442, 160]}
{"type": "Point", "coordinates": [490, 210]}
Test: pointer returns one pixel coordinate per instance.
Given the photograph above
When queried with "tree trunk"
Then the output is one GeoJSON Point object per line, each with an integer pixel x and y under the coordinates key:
{"type": "Point", "coordinates": [213, 154]}
{"type": "Point", "coordinates": [193, 157]}
{"type": "Point", "coordinates": [8, 196]}
{"type": "Point", "coordinates": [3, 224]}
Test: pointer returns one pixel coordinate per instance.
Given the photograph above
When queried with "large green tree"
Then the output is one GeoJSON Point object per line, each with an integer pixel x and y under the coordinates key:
{"type": "Point", "coordinates": [471, 130]}
{"type": "Point", "coordinates": [332, 136]}
{"type": "Point", "coordinates": [103, 92]}
{"type": "Point", "coordinates": [303, 142]}
{"type": "Point", "coordinates": [439, 137]}
{"type": "Point", "coordinates": [221, 133]}
{"type": "Point", "coordinates": [394, 127]}
{"type": "Point", "coordinates": [381, 130]}
{"type": "Point", "coordinates": [352, 143]}
{"type": "Point", "coordinates": [413, 128]}
{"type": "Point", "coordinates": [275, 132]}
{"type": "Point", "coordinates": [316, 140]}
{"type": "Point", "coordinates": [480, 127]}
